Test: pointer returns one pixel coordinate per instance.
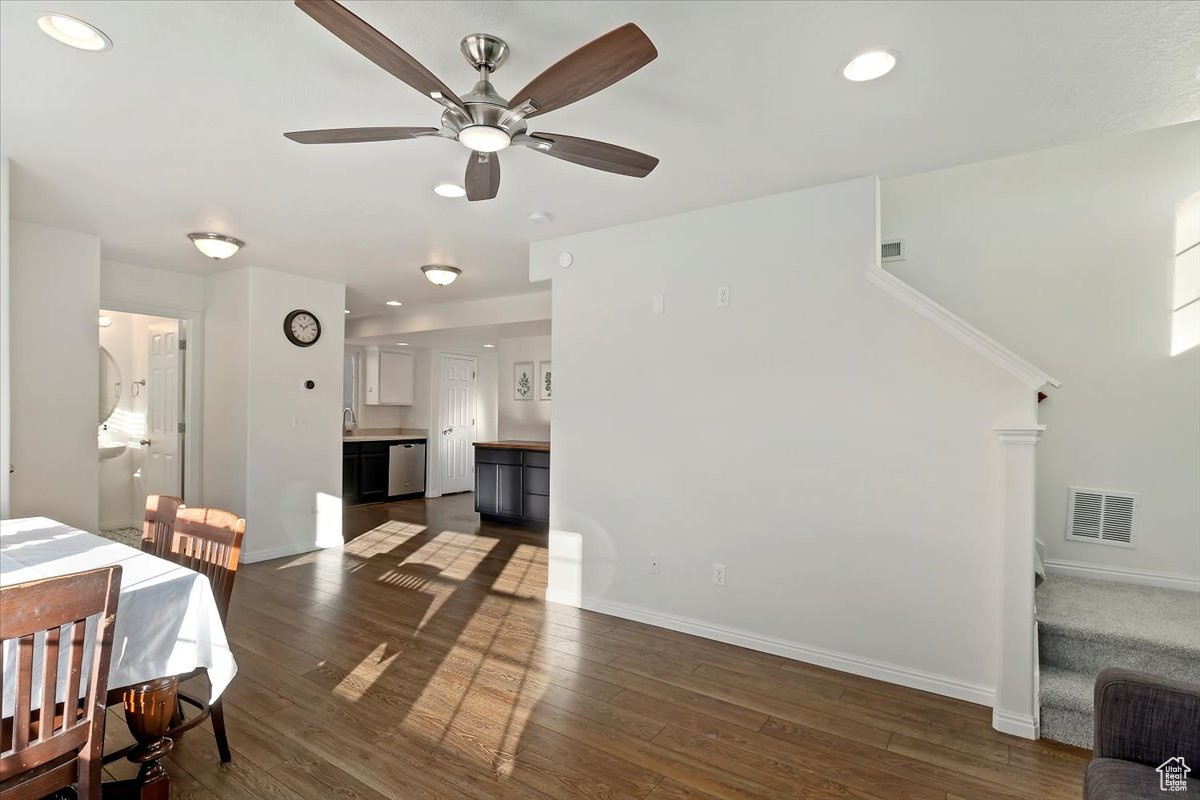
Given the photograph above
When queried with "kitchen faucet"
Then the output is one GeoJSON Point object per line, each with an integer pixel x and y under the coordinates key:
{"type": "Point", "coordinates": [348, 429]}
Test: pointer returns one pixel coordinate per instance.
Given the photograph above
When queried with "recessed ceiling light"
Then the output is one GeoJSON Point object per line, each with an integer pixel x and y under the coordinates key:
{"type": "Point", "coordinates": [104, 321]}
{"type": "Point", "coordinates": [449, 190]}
{"type": "Point", "coordinates": [216, 245]}
{"type": "Point", "coordinates": [394, 303]}
{"type": "Point", "coordinates": [347, 311]}
{"type": "Point", "coordinates": [440, 274]}
{"type": "Point", "coordinates": [401, 344]}
{"type": "Point", "coordinates": [870, 65]}
{"type": "Point", "coordinates": [489, 345]}
{"type": "Point", "coordinates": [541, 217]}
{"type": "Point", "coordinates": [74, 32]}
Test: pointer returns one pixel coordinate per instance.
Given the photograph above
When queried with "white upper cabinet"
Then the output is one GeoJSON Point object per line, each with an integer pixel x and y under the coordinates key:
{"type": "Point", "coordinates": [389, 378]}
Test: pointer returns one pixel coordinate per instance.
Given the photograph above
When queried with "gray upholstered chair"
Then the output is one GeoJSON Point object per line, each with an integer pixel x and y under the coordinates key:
{"type": "Point", "coordinates": [1144, 726]}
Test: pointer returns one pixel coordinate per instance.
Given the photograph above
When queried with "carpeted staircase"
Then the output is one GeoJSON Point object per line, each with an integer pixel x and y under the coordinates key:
{"type": "Point", "coordinates": [1085, 626]}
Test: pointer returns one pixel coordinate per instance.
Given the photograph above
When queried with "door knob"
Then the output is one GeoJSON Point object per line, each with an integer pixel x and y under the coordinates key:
{"type": "Point", "coordinates": [144, 442]}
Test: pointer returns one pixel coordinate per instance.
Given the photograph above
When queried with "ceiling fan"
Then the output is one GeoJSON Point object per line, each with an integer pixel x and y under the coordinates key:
{"type": "Point", "coordinates": [482, 120]}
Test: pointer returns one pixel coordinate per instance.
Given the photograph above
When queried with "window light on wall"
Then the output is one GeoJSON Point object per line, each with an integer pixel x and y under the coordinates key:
{"type": "Point", "coordinates": [1185, 298]}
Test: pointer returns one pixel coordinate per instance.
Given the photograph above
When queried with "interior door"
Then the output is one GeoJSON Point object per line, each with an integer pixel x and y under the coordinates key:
{"type": "Point", "coordinates": [161, 469]}
{"type": "Point", "coordinates": [458, 424]}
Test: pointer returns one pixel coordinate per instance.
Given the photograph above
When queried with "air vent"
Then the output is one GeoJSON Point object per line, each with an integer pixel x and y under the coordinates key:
{"type": "Point", "coordinates": [892, 250]}
{"type": "Point", "coordinates": [1102, 517]}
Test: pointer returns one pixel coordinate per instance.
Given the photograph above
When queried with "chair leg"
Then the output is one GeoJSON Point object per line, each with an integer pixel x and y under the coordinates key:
{"type": "Point", "coordinates": [218, 723]}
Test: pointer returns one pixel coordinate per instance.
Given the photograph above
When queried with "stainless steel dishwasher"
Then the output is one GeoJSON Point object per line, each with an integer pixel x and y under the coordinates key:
{"type": "Point", "coordinates": [406, 468]}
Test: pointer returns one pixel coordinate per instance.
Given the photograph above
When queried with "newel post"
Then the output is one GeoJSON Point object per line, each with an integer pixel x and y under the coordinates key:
{"type": "Point", "coordinates": [1015, 710]}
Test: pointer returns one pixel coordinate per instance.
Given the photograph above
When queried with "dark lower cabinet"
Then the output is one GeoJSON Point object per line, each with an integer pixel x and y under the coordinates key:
{"type": "Point", "coordinates": [372, 477]}
{"type": "Point", "coordinates": [365, 471]}
{"type": "Point", "coordinates": [512, 485]}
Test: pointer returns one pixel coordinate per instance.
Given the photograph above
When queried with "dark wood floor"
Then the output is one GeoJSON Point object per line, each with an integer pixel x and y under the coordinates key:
{"type": "Point", "coordinates": [420, 662]}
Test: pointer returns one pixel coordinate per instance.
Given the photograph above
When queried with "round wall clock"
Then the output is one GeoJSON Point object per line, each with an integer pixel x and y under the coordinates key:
{"type": "Point", "coordinates": [302, 328]}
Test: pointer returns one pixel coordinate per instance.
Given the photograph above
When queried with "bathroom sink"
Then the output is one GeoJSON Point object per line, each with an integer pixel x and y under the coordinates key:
{"type": "Point", "coordinates": [110, 450]}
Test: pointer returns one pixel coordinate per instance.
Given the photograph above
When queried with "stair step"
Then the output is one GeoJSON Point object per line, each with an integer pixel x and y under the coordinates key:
{"type": "Point", "coordinates": [1085, 626]}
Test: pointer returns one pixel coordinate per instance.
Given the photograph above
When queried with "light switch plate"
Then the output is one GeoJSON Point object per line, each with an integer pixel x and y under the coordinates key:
{"type": "Point", "coordinates": [722, 296]}
{"type": "Point", "coordinates": [658, 304]}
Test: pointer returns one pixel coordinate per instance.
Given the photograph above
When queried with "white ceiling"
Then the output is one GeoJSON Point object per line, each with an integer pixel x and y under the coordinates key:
{"type": "Point", "coordinates": [178, 128]}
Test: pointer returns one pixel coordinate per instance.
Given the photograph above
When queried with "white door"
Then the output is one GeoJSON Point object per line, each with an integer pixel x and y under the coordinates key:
{"type": "Point", "coordinates": [161, 469]}
{"type": "Point", "coordinates": [458, 424]}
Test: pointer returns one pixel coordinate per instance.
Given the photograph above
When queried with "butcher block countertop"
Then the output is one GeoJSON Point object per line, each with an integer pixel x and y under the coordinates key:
{"type": "Point", "coordinates": [516, 444]}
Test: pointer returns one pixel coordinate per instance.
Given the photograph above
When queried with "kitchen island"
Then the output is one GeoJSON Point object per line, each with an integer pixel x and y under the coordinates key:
{"type": "Point", "coordinates": [512, 482]}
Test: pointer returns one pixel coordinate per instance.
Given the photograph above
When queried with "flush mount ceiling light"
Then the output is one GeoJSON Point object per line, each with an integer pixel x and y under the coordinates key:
{"type": "Point", "coordinates": [104, 321]}
{"type": "Point", "coordinates": [215, 245]}
{"type": "Point", "coordinates": [74, 33]}
{"type": "Point", "coordinates": [394, 303]}
{"type": "Point", "coordinates": [869, 65]}
{"type": "Point", "coordinates": [449, 190]}
{"type": "Point", "coordinates": [441, 275]}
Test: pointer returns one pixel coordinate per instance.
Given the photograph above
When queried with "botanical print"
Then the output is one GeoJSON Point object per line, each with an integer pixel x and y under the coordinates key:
{"type": "Point", "coordinates": [544, 380]}
{"type": "Point", "coordinates": [523, 380]}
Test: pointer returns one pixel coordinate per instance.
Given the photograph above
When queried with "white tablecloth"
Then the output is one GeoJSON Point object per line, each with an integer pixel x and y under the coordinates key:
{"type": "Point", "coordinates": [167, 619]}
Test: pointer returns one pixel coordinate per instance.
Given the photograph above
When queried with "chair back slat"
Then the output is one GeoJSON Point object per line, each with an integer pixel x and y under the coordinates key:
{"type": "Point", "coordinates": [158, 523]}
{"type": "Point", "coordinates": [42, 740]}
{"type": "Point", "coordinates": [209, 541]}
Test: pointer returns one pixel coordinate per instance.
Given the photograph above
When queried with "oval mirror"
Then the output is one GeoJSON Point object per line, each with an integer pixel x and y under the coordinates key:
{"type": "Point", "coordinates": [110, 385]}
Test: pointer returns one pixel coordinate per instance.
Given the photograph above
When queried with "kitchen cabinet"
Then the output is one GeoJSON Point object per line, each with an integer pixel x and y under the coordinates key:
{"type": "Point", "coordinates": [367, 471]}
{"type": "Point", "coordinates": [512, 482]}
{"type": "Point", "coordinates": [390, 378]}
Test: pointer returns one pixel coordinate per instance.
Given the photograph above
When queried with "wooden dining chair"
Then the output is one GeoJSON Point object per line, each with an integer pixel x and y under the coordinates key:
{"type": "Point", "coordinates": [60, 743]}
{"type": "Point", "coordinates": [158, 523]}
{"type": "Point", "coordinates": [208, 541]}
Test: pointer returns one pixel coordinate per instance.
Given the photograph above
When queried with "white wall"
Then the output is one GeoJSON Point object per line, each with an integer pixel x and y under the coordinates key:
{"type": "Point", "coordinates": [55, 285]}
{"type": "Point", "coordinates": [226, 393]}
{"type": "Point", "coordinates": [522, 419]}
{"type": "Point", "coordinates": [5, 349]}
{"type": "Point", "coordinates": [273, 447]}
{"type": "Point", "coordinates": [832, 448]}
{"type": "Point", "coordinates": [1066, 256]}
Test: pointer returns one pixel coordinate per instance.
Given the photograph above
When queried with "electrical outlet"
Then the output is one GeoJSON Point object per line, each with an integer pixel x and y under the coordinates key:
{"type": "Point", "coordinates": [658, 304]}
{"type": "Point", "coordinates": [655, 564]}
{"type": "Point", "coordinates": [719, 574]}
{"type": "Point", "coordinates": [722, 296]}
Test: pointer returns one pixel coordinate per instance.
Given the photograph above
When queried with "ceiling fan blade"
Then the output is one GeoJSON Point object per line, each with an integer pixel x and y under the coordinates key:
{"type": "Point", "coordinates": [344, 135]}
{"type": "Point", "coordinates": [351, 29]}
{"type": "Point", "coordinates": [590, 153]}
{"type": "Point", "coordinates": [595, 66]}
{"type": "Point", "coordinates": [482, 181]}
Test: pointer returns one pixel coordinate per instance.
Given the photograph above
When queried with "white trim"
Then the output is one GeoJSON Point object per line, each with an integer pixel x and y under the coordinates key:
{"type": "Point", "coordinates": [1016, 724]}
{"type": "Point", "coordinates": [280, 552]}
{"type": "Point", "coordinates": [855, 665]}
{"type": "Point", "coordinates": [960, 329]}
{"type": "Point", "coordinates": [120, 523]}
{"type": "Point", "coordinates": [1141, 577]}
{"type": "Point", "coordinates": [1029, 434]}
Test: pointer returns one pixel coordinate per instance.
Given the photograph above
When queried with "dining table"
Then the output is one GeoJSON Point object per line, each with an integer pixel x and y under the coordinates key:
{"type": "Point", "coordinates": [167, 626]}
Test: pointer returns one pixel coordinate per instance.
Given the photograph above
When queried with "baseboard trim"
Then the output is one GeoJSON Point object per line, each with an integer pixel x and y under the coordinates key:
{"type": "Point", "coordinates": [855, 665]}
{"type": "Point", "coordinates": [1163, 580]}
{"type": "Point", "coordinates": [1021, 725]}
{"type": "Point", "coordinates": [279, 552]}
{"type": "Point", "coordinates": [127, 523]}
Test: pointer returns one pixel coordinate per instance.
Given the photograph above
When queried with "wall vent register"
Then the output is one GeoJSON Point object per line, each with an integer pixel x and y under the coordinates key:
{"type": "Point", "coordinates": [1102, 517]}
{"type": "Point", "coordinates": [892, 250]}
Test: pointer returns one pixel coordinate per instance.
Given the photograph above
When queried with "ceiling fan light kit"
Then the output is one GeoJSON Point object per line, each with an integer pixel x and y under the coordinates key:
{"type": "Point", "coordinates": [482, 120]}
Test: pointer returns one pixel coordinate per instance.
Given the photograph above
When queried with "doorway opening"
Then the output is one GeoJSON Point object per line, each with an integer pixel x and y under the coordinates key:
{"type": "Point", "coordinates": [142, 437]}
